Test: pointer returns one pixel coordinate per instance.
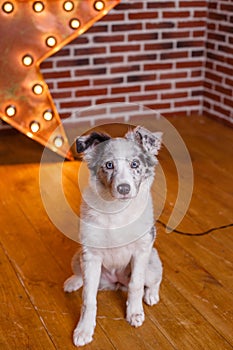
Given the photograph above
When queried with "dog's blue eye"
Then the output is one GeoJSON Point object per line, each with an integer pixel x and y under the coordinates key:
{"type": "Point", "coordinates": [109, 165]}
{"type": "Point", "coordinates": [134, 164]}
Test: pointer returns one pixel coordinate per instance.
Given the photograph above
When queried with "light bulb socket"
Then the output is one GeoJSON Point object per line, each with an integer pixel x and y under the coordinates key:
{"type": "Point", "coordinates": [99, 5]}
{"type": "Point", "coordinates": [51, 41]}
{"type": "Point", "coordinates": [38, 6]}
{"type": "Point", "coordinates": [34, 126]}
{"type": "Point", "coordinates": [27, 60]}
{"type": "Point", "coordinates": [37, 89]}
{"type": "Point", "coordinates": [74, 23]}
{"type": "Point", "coordinates": [48, 115]}
{"type": "Point", "coordinates": [58, 141]}
{"type": "Point", "coordinates": [68, 6]}
{"type": "Point", "coordinates": [8, 7]}
{"type": "Point", "coordinates": [10, 111]}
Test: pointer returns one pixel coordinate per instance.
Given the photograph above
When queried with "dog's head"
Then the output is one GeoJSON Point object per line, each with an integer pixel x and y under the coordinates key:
{"type": "Point", "coordinates": [120, 165]}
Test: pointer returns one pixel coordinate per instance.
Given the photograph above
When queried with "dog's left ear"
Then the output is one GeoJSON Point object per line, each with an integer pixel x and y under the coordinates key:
{"type": "Point", "coordinates": [86, 143]}
{"type": "Point", "coordinates": [151, 142]}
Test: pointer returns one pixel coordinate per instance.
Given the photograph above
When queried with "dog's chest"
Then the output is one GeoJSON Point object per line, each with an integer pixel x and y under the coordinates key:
{"type": "Point", "coordinates": [116, 258]}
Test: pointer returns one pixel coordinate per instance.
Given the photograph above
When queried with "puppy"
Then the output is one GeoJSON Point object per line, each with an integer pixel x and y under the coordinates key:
{"type": "Point", "coordinates": [117, 230]}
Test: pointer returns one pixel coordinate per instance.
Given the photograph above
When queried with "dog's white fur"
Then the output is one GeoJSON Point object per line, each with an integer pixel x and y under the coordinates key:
{"type": "Point", "coordinates": [117, 229]}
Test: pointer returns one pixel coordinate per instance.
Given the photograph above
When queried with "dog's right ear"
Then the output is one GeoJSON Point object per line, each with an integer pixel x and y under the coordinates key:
{"type": "Point", "coordinates": [86, 143]}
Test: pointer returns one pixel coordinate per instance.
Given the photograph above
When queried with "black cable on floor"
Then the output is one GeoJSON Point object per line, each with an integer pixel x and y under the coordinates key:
{"type": "Point", "coordinates": [195, 233]}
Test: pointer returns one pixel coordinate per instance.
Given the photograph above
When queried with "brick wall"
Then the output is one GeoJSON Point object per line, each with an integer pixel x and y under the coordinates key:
{"type": "Point", "coordinates": [148, 52]}
{"type": "Point", "coordinates": [218, 86]}
{"type": "Point", "coordinates": [172, 56]}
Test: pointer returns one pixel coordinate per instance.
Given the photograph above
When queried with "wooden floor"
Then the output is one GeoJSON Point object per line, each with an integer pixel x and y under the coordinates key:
{"type": "Point", "coordinates": [196, 307]}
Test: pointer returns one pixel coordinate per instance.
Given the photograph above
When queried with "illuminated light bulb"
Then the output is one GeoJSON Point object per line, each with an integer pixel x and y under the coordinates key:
{"type": "Point", "coordinates": [58, 141]}
{"type": "Point", "coordinates": [10, 111]}
{"type": "Point", "coordinates": [37, 89]}
{"type": "Point", "coordinates": [99, 5]}
{"type": "Point", "coordinates": [35, 126]}
{"type": "Point", "coordinates": [75, 23]}
{"type": "Point", "coordinates": [8, 7]}
{"type": "Point", "coordinates": [68, 6]}
{"type": "Point", "coordinates": [38, 6]}
{"type": "Point", "coordinates": [48, 115]}
{"type": "Point", "coordinates": [27, 60]}
{"type": "Point", "coordinates": [51, 41]}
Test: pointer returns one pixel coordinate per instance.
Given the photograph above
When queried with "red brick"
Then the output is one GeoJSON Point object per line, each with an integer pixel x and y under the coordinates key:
{"type": "Point", "coordinates": [56, 74]}
{"type": "Point", "coordinates": [211, 95]}
{"type": "Point", "coordinates": [143, 36]}
{"type": "Point", "coordinates": [159, 46]}
{"type": "Point", "coordinates": [158, 86]}
{"type": "Point", "coordinates": [126, 48]}
{"type": "Point", "coordinates": [174, 55]}
{"type": "Point", "coordinates": [61, 94]}
{"type": "Point", "coordinates": [96, 28]}
{"type": "Point", "coordinates": [176, 75]}
{"type": "Point", "coordinates": [229, 81]}
{"type": "Point", "coordinates": [161, 25]}
{"type": "Point", "coordinates": [217, 16]}
{"type": "Point", "coordinates": [193, 3]}
{"type": "Point", "coordinates": [158, 106]}
{"type": "Point", "coordinates": [108, 38]}
{"type": "Point", "coordinates": [125, 89]}
{"type": "Point", "coordinates": [226, 7]}
{"type": "Point", "coordinates": [75, 104]}
{"type": "Point", "coordinates": [108, 59]}
{"type": "Point", "coordinates": [113, 17]}
{"type": "Point", "coordinates": [90, 92]}
{"type": "Point", "coordinates": [157, 66]}
{"type": "Point", "coordinates": [126, 27]}
{"type": "Point", "coordinates": [143, 15]}
{"type": "Point", "coordinates": [64, 115]}
{"type": "Point", "coordinates": [107, 81]}
{"type": "Point", "coordinates": [141, 58]}
{"type": "Point", "coordinates": [188, 84]}
{"type": "Point", "coordinates": [138, 78]}
{"type": "Point", "coordinates": [176, 14]}
{"type": "Point", "coordinates": [110, 100]}
{"type": "Point", "coordinates": [189, 64]}
{"type": "Point", "coordinates": [223, 90]}
{"type": "Point", "coordinates": [174, 95]}
{"type": "Point", "coordinates": [125, 69]}
{"type": "Point", "coordinates": [89, 51]}
{"type": "Point", "coordinates": [228, 102]}
{"type": "Point", "coordinates": [190, 43]}
{"type": "Point", "coordinates": [139, 98]}
{"type": "Point", "coordinates": [129, 6]}
{"type": "Point", "coordinates": [192, 24]}
{"type": "Point", "coordinates": [196, 73]}
{"type": "Point", "coordinates": [222, 110]}
{"type": "Point", "coordinates": [90, 71]}
{"type": "Point", "coordinates": [72, 62]}
{"type": "Point", "coordinates": [212, 76]}
{"type": "Point", "coordinates": [200, 14]}
{"type": "Point", "coordinates": [187, 103]}
{"type": "Point", "coordinates": [174, 35]}
{"type": "Point", "coordinates": [160, 4]}
{"type": "Point", "coordinates": [73, 83]}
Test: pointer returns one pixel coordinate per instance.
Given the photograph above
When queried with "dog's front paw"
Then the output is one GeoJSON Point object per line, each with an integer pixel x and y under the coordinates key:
{"type": "Point", "coordinates": [73, 283]}
{"type": "Point", "coordinates": [81, 337]}
{"type": "Point", "coordinates": [136, 319]}
{"type": "Point", "coordinates": [151, 298]}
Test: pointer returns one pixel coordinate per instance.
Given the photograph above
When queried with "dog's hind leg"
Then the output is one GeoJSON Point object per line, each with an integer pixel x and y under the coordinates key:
{"type": "Point", "coordinates": [153, 279]}
{"type": "Point", "coordinates": [75, 281]}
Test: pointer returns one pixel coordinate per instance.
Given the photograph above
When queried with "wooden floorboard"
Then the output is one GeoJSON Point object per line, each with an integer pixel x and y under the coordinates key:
{"type": "Point", "coordinates": [196, 306]}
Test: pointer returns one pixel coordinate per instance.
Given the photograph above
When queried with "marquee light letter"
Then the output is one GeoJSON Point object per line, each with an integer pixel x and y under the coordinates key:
{"type": "Point", "coordinates": [31, 31]}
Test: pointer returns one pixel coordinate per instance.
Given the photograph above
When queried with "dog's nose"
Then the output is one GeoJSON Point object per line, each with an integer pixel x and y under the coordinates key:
{"type": "Point", "coordinates": [123, 189]}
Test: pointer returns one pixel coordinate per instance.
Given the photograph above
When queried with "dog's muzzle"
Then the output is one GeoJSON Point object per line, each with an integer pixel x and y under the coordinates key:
{"type": "Point", "coordinates": [123, 189]}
